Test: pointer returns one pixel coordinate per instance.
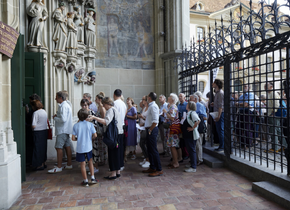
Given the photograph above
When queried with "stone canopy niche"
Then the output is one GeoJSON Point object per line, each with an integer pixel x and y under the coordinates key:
{"type": "Point", "coordinates": [73, 39]}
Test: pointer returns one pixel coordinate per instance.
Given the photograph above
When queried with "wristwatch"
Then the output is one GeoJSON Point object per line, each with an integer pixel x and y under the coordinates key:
{"type": "Point", "coordinates": [149, 131]}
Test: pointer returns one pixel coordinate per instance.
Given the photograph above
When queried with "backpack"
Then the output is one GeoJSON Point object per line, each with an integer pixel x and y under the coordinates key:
{"type": "Point", "coordinates": [201, 126]}
{"type": "Point", "coordinates": [111, 134]}
{"type": "Point", "coordinates": [282, 111]}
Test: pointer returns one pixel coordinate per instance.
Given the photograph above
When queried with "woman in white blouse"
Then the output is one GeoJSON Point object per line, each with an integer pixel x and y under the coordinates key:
{"type": "Point", "coordinates": [142, 117]}
{"type": "Point", "coordinates": [39, 126]}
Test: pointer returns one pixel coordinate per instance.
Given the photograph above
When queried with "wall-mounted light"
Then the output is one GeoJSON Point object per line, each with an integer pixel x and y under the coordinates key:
{"type": "Point", "coordinates": [162, 33]}
{"type": "Point", "coordinates": [162, 7]}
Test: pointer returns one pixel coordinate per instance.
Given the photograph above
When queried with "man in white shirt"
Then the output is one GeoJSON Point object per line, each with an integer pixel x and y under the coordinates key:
{"type": "Point", "coordinates": [63, 128]}
{"type": "Point", "coordinates": [92, 105]}
{"type": "Point", "coordinates": [122, 109]}
{"type": "Point", "coordinates": [151, 125]}
{"type": "Point", "coordinates": [163, 105]}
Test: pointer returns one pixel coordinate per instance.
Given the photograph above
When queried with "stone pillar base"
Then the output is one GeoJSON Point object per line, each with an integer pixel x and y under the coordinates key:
{"type": "Point", "coordinates": [10, 181]}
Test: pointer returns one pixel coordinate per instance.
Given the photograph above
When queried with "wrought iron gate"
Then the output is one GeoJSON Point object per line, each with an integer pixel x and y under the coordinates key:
{"type": "Point", "coordinates": [254, 54]}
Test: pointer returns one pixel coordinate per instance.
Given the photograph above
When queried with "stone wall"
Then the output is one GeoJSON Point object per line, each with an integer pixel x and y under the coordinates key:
{"type": "Point", "coordinates": [10, 169]}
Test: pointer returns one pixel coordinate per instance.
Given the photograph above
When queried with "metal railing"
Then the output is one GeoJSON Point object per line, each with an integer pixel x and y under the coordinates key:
{"type": "Point", "coordinates": [255, 65]}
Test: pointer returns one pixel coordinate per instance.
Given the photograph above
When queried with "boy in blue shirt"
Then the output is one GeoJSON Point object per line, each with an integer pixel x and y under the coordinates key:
{"type": "Point", "coordinates": [83, 133]}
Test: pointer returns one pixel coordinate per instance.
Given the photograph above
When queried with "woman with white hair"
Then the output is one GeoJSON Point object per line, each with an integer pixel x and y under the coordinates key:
{"type": "Point", "coordinates": [172, 135]}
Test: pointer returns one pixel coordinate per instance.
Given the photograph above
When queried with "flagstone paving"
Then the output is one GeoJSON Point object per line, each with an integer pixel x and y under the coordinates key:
{"type": "Point", "coordinates": [207, 189]}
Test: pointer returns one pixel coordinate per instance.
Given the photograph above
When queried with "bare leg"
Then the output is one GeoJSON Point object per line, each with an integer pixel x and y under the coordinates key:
{"type": "Point", "coordinates": [59, 157]}
{"type": "Point", "coordinates": [179, 154]}
{"type": "Point", "coordinates": [174, 157]}
{"type": "Point", "coordinates": [91, 166]}
{"type": "Point", "coordinates": [113, 173]}
{"type": "Point", "coordinates": [83, 169]}
{"type": "Point", "coordinates": [68, 154]}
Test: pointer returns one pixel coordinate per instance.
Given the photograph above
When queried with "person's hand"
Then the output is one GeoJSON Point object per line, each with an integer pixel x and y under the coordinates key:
{"type": "Point", "coordinates": [217, 119]}
{"type": "Point", "coordinates": [90, 118]}
{"type": "Point", "coordinates": [164, 111]}
{"type": "Point", "coordinates": [27, 109]}
{"type": "Point", "coordinates": [212, 104]}
{"type": "Point", "coordinates": [190, 129]}
{"type": "Point", "coordinates": [246, 104]}
{"type": "Point", "coordinates": [54, 116]}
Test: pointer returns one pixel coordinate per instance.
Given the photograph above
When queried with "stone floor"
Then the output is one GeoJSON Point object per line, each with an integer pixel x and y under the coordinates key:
{"type": "Point", "coordinates": [206, 189]}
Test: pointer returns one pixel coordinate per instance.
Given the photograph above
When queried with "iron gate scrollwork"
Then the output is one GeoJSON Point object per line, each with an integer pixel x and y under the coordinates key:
{"type": "Point", "coordinates": [256, 80]}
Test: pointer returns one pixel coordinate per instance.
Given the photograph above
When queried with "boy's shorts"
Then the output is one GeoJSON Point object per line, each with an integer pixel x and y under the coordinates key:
{"type": "Point", "coordinates": [81, 157]}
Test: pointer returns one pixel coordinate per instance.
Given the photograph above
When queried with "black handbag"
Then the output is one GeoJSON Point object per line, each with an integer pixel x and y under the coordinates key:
{"type": "Point", "coordinates": [111, 134]}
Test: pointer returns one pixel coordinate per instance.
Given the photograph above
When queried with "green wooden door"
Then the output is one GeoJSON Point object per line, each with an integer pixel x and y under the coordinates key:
{"type": "Point", "coordinates": [17, 96]}
{"type": "Point", "coordinates": [34, 75]}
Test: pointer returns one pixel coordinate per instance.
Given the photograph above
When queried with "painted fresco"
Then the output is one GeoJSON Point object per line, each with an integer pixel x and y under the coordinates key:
{"type": "Point", "coordinates": [125, 34]}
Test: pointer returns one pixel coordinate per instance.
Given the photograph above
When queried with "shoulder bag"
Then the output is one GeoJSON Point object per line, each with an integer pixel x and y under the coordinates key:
{"type": "Point", "coordinates": [49, 131]}
{"type": "Point", "coordinates": [111, 134]}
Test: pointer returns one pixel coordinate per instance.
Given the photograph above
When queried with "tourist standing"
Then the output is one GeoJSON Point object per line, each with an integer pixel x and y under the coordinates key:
{"type": "Point", "coordinates": [84, 132]}
{"type": "Point", "coordinates": [163, 105]}
{"type": "Point", "coordinates": [63, 128]}
{"type": "Point", "coordinates": [131, 116]}
{"type": "Point", "coordinates": [92, 105]}
{"type": "Point", "coordinates": [39, 126]}
{"type": "Point", "coordinates": [113, 153]}
{"type": "Point", "coordinates": [151, 124]}
{"type": "Point", "coordinates": [122, 109]}
{"type": "Point", "coordinates": [218, 105]}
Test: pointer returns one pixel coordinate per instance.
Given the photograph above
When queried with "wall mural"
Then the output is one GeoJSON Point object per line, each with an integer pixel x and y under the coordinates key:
{"type": "Point", "coordinates": [125, 34]}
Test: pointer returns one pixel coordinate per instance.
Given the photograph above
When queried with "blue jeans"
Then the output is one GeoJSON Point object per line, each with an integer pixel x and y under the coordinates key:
{"type": "Point", "coordinates": [190, 145]}
{"type": "Point", "coordinates": [153, 154]}
{"type": "Point", "coordinates": [220, 130]}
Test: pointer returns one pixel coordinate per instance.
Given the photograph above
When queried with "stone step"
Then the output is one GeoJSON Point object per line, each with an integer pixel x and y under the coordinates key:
{"type": "Point", "coordinates": [273, 192]}
{"type": "Point", "coordinates": [212, 161]}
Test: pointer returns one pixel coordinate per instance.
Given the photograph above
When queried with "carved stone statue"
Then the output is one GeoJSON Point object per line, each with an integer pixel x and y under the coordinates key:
{"type": "Point", "coordinates": [79, 22]}
{"type": "Point", "coordinates": [232, 3]}
{"type": "Point", "coordinates": [90, 28]}
{"type": "Point", "coordinates": [72, 42]}
{"type": "Point", "coordinates": [38, 11]}
{"type": "Point", "coordinates": [60, 29]}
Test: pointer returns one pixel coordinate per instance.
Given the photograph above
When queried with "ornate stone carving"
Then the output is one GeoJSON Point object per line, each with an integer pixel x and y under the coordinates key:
{"type": "Point", "coordinates": [72, 43]}
{"type": "Point", "coordinates": [91, 78]}
{"type": "Point", "coordinates": [72, 2]}
{"type": "Point", "coordinates": [90, 28]}
{"type": "Point", "coordinates": [60, 30]}
{"type": "Point", "coordinates": [71, 63]}
{"type": "Point", "coordinates": [60, 59]}
{"type": "Point", "coordinates": [38, 11]}
{"type": "Point", "coordinates": [78, 77]}
{"type": "Point", "coordinates": [91, 3]}
{"type": "Point", "coordinates": [79, 22]}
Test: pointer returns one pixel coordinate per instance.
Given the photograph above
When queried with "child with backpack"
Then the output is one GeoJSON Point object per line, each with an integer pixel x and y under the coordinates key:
{"type": "Point", "coordinates": [83, 133]}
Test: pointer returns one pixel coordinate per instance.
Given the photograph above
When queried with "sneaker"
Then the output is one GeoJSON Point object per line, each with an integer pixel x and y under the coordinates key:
{"type": "Point", "coordinates": [146, 165]}
{"type": "Point", "coordinates": [133, 157]}
{"type": "Point", "coordinates": [190, 170]}
{"type": "Point", "coordinates": [141, 163]}
{"type": "Point", "coordinates": [187, 166]}
{"type": "Point", "coordinates": [67, 167]}
{"type": "Point", "coordinates": [55, 170]}
{"type": "Point", "coordinates": [86, 184]}
{"type": "Point", "coordinates": [122, 168]}
{"type": "Point", "coordinates": [94, 181]}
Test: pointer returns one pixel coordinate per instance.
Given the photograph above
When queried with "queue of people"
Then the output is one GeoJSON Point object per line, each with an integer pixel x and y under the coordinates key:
{"type": "Point", "coordinates": [182, 129]}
